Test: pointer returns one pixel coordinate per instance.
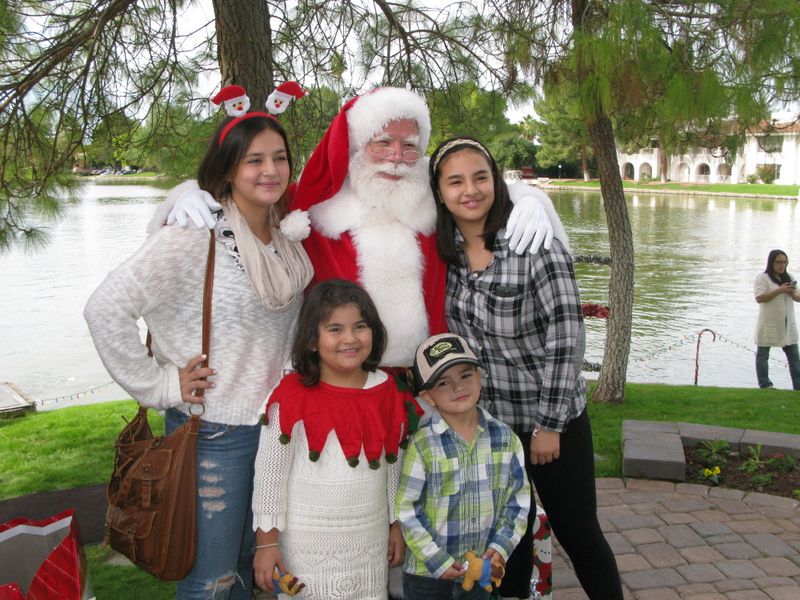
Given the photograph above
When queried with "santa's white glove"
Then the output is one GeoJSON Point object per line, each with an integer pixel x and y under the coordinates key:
{"type": "Point", "coordinates": [528, 226]}
{"type": "Point", "coordinates": [194, 206]}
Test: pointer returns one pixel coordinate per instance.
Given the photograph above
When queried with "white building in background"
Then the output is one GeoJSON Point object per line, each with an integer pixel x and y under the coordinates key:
{"type": "Point", "coordinates": [779, 149]}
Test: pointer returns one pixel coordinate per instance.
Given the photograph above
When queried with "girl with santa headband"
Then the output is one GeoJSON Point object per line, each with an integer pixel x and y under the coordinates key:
{"type": "Point", "coordinates": [259, 278]}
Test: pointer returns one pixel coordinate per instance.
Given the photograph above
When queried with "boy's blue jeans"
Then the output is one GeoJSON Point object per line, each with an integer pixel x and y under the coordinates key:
{"type": "Point", "coordinates": [225, 537]}
{"type": "Point", "coordinates": [428, 588]}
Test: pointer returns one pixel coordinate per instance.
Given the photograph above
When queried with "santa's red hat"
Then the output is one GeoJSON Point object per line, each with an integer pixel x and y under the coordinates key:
{"type": "Point", "coordinates": [356, 124]}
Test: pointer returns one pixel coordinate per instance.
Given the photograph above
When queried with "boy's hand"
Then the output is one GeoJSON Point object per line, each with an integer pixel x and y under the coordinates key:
{"type": "Point", "coordinates": [455, 571]}
{"type": "Point", "coordinates": [545, 447]}
{"type": "Point", "coordinates": [498, 564]}
{"type": "Point", "coordinates": [397, 546]}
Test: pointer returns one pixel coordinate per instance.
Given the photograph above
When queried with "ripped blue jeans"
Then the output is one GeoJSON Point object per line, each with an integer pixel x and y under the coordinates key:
{"type": "Point", "coordinates": [225, 538]}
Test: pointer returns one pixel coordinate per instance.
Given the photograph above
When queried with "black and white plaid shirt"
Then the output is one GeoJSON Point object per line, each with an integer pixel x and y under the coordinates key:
{"type": "Point", "coordinates": [522, 316]}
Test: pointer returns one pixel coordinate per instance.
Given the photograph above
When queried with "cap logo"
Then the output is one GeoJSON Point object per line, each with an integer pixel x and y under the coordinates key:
{"type": "Point", "coordinates": [441, 349]}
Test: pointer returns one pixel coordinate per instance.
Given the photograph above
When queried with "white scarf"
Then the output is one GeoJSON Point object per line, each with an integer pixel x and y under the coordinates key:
{"type": "Point", "coordinates": [278, 272]}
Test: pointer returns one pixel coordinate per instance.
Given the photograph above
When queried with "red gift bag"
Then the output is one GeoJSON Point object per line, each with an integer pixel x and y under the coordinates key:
{"type": "Point", "coordinates": [542, 583]}
{"type": "Point", "coordinates": [43, 560]}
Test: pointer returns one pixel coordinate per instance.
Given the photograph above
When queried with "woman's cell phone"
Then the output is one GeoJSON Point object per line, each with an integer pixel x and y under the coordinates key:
{"type": "Point", "coordinates": [793, 284]}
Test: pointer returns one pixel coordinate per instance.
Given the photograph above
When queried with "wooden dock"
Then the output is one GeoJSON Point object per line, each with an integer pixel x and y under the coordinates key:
{"type": "Point", "coordinates": [13, 400]}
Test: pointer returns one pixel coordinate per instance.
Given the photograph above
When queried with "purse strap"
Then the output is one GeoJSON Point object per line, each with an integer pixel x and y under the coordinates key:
{"type": "Point", "coordinates": [208, 288]}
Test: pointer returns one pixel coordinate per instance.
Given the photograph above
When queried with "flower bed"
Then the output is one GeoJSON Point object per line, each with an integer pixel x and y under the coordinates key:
{"type": "Point", "coordinates": [713, 463]}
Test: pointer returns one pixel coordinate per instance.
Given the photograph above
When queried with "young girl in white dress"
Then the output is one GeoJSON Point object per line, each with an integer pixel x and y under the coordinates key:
{"type": "Point", "coordinates": [326, 471]}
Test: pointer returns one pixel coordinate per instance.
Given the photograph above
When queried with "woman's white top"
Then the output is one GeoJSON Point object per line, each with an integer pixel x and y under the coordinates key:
{"type": "Point", "coordinates": [163, 283]}
{"type": "Point", "coordinates": [776, 324]}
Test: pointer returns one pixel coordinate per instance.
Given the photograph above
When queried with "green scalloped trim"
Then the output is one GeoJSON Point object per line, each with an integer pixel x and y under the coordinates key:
{"type": "Point", "coordinates": [391, 458]}
{"type": "Point", "coordinates": [285, 438]}
{"type": "Point", "coordinates": [374, 465]}
{"type": "Point", "coordinates": [313, 455]}
{"type": "Point", "coordinates": [411, 415]}
{"type": "Point", "coordinates": [353, 461]}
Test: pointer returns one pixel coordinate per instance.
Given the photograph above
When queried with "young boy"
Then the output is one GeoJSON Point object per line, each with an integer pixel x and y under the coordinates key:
{"type": "Point", "coordinates": [463, 484]}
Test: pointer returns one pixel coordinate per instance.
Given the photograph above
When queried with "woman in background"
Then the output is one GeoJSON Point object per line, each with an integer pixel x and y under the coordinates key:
{"type": "Point", "coordinates": [775, 292]}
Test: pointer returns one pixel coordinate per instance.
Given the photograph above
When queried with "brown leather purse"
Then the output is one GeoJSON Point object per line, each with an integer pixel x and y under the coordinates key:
{"type": "Point", "coordinates": [152, 503]}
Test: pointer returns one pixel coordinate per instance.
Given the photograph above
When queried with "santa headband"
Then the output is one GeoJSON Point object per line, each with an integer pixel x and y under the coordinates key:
{"type": "Point", "coordinates": [237, 103]}
{"type": "Point", "coordinates": [356, 124]}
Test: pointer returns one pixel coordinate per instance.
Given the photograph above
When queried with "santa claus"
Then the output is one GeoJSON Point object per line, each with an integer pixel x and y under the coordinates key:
{"type": "Point", "coordinates": [373, 216]}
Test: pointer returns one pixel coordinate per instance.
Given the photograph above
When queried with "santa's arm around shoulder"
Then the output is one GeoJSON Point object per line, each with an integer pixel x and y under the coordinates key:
{"type": "Point", "coordinates": [188, 206]}
{"type": "Point", "coordinates": [534, 221]}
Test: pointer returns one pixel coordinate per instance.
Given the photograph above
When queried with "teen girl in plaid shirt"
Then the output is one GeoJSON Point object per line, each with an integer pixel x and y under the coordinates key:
{"type": "Point", "coordinates": [522, 316]}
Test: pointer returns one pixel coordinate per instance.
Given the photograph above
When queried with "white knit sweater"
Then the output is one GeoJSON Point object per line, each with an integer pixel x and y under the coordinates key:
{"type": "Point", "coordinates": [333, 518]}
{"type": "Point", "coordinates": [163, 282]}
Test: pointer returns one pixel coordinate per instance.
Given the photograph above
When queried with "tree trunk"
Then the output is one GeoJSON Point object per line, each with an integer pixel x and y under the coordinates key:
{"type": "Point", "coordinates": [244, 41]}
{"type": "Point", "coordinates": [611, 383]}
{"type": "Point", "coordinates": [584, 165]}
{"type": "Point", "coordinates": [662, 163]}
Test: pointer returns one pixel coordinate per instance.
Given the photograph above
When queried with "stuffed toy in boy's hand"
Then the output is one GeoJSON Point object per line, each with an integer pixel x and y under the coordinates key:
{"type": "Point", "coordinates": [485, 572]}
{"type": "Point", "coordinates": [286, 583]}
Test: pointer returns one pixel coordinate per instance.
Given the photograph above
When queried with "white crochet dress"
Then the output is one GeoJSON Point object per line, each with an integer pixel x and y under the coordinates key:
{"type": "Point", "coordinates": [333, 518]}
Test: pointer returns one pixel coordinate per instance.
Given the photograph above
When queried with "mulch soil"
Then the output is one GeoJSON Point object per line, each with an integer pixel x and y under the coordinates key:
{"type": "Point", "coordinates": [731, 476]}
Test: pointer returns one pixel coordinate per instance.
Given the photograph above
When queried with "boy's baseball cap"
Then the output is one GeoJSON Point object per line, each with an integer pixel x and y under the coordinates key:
{"type": "Point", "coordinates": [437, 354]}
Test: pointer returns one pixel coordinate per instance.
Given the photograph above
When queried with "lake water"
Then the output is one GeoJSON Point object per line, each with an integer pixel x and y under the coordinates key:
{"type": "Point", "coordinates": [696, 258]}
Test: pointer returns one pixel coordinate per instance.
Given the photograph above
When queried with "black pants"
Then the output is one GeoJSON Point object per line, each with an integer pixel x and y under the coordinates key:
{"type": "Point", "coordinates": [566, 490]}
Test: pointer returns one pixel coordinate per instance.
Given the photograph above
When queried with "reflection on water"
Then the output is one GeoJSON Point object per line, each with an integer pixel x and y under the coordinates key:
{"type": "Point", "coordinates": [696, 258]}
{"type": "Point", "coordinates": [46, 347]}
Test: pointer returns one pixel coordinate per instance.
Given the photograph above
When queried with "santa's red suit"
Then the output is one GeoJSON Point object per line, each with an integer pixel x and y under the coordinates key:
{"type": "Point", "coordinates": [393, 256]}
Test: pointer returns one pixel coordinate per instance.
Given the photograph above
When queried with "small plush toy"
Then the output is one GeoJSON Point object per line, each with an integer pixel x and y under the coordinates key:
{"type": "Point", "coordinates": [278, 101]}
{"type": "Point", "coordinates": [286, 583]}
{"type": "Point", "coordinates": [234, 99]}
{"type": "Point", "coordinates": [483, 571]}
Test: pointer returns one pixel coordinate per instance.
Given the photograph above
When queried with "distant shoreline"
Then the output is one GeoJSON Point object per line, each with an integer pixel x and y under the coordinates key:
{"type": "Point", "coordinates": [687, 192]}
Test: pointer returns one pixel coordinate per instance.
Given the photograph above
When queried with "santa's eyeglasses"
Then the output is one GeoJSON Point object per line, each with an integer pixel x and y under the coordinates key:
{"type": "Point", "coordinates": [385, 152]}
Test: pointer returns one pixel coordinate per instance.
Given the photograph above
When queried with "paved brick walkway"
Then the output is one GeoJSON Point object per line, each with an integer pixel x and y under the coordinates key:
{"type": "Point", "coordinates": [686, 541]}
{"type": "Point", "coordinates": [672, 541]}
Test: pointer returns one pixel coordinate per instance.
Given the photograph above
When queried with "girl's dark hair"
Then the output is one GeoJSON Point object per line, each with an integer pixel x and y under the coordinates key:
{"type": "Point", "coordinates": [445, 224]}
{"type": "Point", "coordinates": [320, 302]}
{"type": "Point", "coordinates": [783, 277]}
{"type": "Point", "coordinates": [221, 160]}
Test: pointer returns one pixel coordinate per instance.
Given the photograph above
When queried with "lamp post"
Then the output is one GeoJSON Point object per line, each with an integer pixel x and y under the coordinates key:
{"type": "Point", "coordinates": [559, 171]}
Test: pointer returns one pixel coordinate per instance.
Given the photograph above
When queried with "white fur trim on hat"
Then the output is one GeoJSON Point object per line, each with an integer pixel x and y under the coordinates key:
{"type": "Point", "coordinates": [373, 111]}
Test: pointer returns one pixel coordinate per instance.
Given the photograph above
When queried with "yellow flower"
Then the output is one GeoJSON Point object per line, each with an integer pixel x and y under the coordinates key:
{"type": "Point", "coordinates": [716, 470]}
{"type": "Point", "coordinates": [707, 472]}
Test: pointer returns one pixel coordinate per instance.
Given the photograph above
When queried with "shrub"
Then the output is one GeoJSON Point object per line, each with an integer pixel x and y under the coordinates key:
{"type": "Point", "coordinates": [781, 462]}
{"type": "Point", "coordinates": [754, 462]}
{"type": "Point", "coordinates": [767, 173]}
{"type": "Point", "coordinates": [751, 178]}
{"type": "Point", "coordinates": [713, 452]}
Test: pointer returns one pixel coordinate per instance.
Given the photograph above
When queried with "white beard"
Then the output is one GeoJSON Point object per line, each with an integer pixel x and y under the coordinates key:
{"type": "Point", "coordinates": [389, 199]}
{"type": "Point", "coordinates": [384, 218]}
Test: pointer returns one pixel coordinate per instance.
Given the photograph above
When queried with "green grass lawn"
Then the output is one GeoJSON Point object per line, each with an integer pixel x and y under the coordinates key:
{"type": "Point", "coordinates": [60, 449]}
{"type": "Point", "coordinates": [721, 188]}
{"type": "Point", "coordinates": [74, 447]}
{"type": "Point", "coordinates": [123, 582]}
